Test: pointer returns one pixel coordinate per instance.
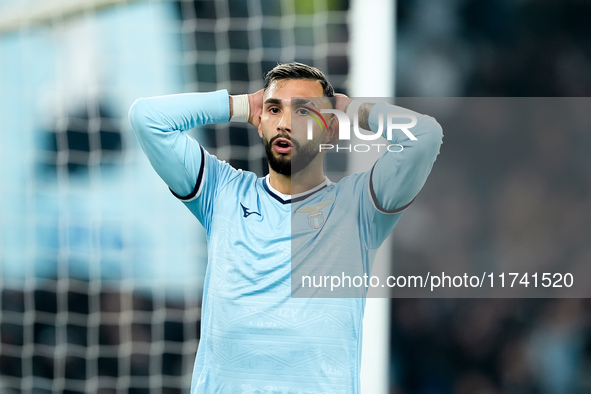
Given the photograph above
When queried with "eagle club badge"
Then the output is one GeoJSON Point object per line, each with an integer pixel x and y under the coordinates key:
{"type": "Point", "coordinates": [315, 215]}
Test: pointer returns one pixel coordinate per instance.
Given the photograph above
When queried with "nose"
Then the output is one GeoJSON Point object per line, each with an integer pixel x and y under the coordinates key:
{"type": "Point", "coordinates": [284, 124]}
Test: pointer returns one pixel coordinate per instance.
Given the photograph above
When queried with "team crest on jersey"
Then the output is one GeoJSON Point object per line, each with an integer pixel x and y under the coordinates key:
{"type": "Point", "coordinates": [315, 215]}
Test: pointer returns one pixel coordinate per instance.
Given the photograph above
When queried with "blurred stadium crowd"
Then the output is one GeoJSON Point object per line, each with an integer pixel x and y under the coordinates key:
{"type": "Point", "coordinates": [499, 194]}
{"type": "Point", "coordinates": [521, 198]}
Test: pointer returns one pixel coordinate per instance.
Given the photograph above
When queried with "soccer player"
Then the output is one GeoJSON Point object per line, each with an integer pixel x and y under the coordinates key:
{"type": "Point", "coordinates": [255, 336]}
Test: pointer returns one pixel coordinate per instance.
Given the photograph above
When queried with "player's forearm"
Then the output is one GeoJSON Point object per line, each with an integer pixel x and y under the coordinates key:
{"type": "Point", "coordinates": [179, 112]}
{"type": "Point", "coordinates": [399, 175]}
{"type": "Point", "coordinates": [160, 123]}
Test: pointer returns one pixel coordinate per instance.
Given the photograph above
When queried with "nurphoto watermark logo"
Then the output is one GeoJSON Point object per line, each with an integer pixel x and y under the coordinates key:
{"type": "Point", "coordinates": [388, 122]}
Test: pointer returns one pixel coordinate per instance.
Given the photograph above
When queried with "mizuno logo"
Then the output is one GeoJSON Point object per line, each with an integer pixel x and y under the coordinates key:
{"type": "Point", "coordinates": [247, 212]}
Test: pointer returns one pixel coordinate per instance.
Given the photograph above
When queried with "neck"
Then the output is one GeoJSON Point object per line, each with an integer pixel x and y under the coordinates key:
{"type": "Point", "coordinates": [297, 183]}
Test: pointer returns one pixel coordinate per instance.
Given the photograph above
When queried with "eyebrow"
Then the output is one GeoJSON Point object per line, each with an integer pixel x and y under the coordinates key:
{"type": "Point", "coordinates": [273, 101]}
{"type": "Point", "coordinates": [301, 101]}
{"type": "Point", "coordinates": [294, 101]}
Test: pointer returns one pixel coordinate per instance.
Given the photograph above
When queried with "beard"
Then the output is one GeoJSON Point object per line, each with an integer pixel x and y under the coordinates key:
{"type": "Point", "coordinates": [284, 166]}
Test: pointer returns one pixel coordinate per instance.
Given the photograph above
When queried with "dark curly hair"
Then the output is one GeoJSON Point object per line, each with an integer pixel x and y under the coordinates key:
{"type": "Point", "coordinates": [296, 70]}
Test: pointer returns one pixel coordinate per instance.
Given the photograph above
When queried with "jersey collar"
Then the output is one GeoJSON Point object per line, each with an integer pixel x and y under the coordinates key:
{"type": "Point", "coordinates": [288, 199]}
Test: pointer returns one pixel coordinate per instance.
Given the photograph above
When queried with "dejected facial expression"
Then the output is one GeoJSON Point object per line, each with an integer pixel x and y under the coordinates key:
{"type": "Point", "coordinates": [283, 125]}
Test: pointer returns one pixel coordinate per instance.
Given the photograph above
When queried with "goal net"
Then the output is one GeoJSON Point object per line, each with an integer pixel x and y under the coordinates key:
{"type": "Point", "coordinates": [100, 269]}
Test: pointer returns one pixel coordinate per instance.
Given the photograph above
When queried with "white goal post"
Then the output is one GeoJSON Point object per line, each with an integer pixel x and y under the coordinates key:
{"type": "Point", "coordinates": [372, 48]}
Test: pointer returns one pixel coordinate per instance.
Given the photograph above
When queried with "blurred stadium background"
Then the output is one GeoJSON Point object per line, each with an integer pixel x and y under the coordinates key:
{"type": "Point", "coordinates": [100, 270]}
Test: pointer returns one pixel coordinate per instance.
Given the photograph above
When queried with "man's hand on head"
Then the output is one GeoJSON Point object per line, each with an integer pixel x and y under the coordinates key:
{"type": "Point", "coordinates": [342, 102]}
{"type": "Point", "coordinates": [255, 100]}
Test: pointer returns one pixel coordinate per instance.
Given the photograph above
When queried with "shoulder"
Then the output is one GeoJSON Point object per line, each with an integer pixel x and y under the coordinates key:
{"type": "Point", "coordinates": [220, 176]}
{"type": "Point", "coordinates": [346, 192]}
{"type": "Point", "coordinates": [213, 163]}
{"type": "Point", "coordinates": [352, 182]}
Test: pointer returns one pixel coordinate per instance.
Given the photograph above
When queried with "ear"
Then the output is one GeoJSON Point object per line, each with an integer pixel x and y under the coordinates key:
{"type": "Point", "coordinates": [333, 130]}
{"type": "Point", "coordinates": [260, 128]}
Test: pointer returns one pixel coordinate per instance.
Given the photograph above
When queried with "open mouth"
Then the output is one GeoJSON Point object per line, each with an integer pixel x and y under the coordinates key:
{"type": "Point", "coordinates": [282, 145]}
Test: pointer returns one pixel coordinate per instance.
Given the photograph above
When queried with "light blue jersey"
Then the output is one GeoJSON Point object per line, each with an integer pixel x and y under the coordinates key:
{"type": "Point", "coordinates": [256, 337]}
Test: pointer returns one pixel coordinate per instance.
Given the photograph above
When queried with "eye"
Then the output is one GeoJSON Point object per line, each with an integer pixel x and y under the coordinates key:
{"type": "Point", "coordinates": [302, 111]}
{"type": "Point", "coordinates": [274, 110]}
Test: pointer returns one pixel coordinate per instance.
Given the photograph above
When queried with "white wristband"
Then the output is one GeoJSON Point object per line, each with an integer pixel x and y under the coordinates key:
{"type": "Point", "coordinates": [240, 108]}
